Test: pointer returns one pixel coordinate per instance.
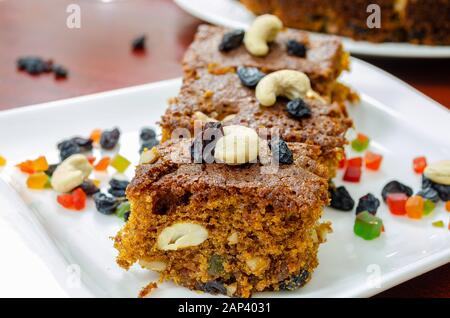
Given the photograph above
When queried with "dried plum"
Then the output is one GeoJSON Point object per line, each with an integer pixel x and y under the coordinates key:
{"type": "Point", "coordinates": [368, 203]}
{"type": "Point", "coordinates": [341, 199]}
{"type": "Point", "coordinates": [296, 281]}
{"type": "Point", "coordinates": [395, 187]}
{"type": "Point", "coordinates": [249, 76]}
{"type": "Point", "coordinates": [231, 40]}
{"type": "Point", "coordinates": [298, 108]}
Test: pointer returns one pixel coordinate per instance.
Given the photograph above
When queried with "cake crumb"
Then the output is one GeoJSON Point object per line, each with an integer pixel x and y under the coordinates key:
{"type": "Point", "coordinates": [147, 290]}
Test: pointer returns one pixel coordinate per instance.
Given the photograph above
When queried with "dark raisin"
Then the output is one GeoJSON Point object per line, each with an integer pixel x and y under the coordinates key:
{"type": "Point", "coordinates": [148, 145]}
{"type": "Point", "coordinates": [368, 203]}
{"type": "Point", "coordinates": [126, 216]}
{"type": "Point", "coordinates": [395, 187]}
{"type": "Point", "coordinates": [281, 151]}
{"type": "Point", "coordinates": [33, 65]}
{"type": "Point", "coordinates": [296, 48]}
{"type": "Point", "coordinates": [426, 183]}
{"type": "Point", "coordinates": [60, 71]}
{"type": "Point", "coordinates": [296, 281]}
{"type": "Point", "coordinates": [213, 287]}
{"type": "Point", "coordinates": [215, 265]}
{"type": "Point", "coordinates": [110, 138]}
{"type": "Point", "coordinates": [50, 170]}
{"type": "Point", "coordinates": [202, 148]}
{"type": "Point", "coordinates": [443, 191]}
{"type": "Point", "coordinates": [84, 143]}
{"type": "Point", "coordinates": [89, 187]}
{"type": "Point", "coordinates": [231, 40]}
{"type": "Point", "coordinates": [138, 43]}
{"type": "Point", "coordinates": [430, 194]}
{"type": "Point", "coordinates": [298, 108]}
{"type": "Point", "coordinates": [250, 76]}
{"type": "Point", "coordinates": [68, 148]}
{"type": "Point", "coordinates": [118, 188]}
{"type": "Point", "coordinates": [341, 199]}
{"type": "Point", "coordinates": [105, 204]}
{"type": "Point", "coordinates": [118, 193]}
{"type": "Point", "coordinates": [147, 134]}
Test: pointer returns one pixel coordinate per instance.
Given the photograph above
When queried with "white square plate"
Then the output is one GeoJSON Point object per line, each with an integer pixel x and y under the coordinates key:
{"type": "Point", "coordinates": [55, 247]}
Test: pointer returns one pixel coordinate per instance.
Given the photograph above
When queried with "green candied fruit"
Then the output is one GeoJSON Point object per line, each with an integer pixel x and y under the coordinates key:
{"type": "Point", "coordinates": [367, 226]}
{"type": "Point", "coordinates": [360, 145]}
{"type": "Point", "coordinates": [215, 265]}
{"type": "Point", "coordinates": [120, 163]}
{"type": "Point", "coordinates": [428, 207]}
{"type": "Point", "coordinates": [439, 223]}
{"type": "Point", "coordinates": [122, 209]}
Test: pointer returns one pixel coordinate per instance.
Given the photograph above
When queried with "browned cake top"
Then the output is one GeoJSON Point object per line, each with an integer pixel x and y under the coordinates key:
{"type": "Point", "coordinates": [322, 61]}
{"type": "Point", "coordinates": [326, 127]}
{"type": "Point", "coordinates": [299, 186]}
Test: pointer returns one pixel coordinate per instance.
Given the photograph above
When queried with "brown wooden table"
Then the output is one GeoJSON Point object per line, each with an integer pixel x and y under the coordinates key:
{"type": "Point", "coordinates": [99, 58]}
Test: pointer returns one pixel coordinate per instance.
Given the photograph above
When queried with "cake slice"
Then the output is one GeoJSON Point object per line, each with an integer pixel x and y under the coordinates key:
{"type": "Point", "coordinates": [227, 229]}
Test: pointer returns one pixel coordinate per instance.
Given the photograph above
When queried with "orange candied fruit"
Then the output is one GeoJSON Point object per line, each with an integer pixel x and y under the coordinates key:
{"type": "Point", "coordinates": [103, 164]}
{"type": "Point", "coordinates": [95, 136]}
{"type": "Point", "coordinates": [26, 166]}
{"type": "Point", "coordinates": [373, 160]}
{"type": "Point", "coordinates": [419, 164]}
{"type": "Point", "coordinates": [2, 161]}
{"type": "Point", "coordinates": [414, 207]}
{"type": "Point", "coordinates": [37, 181]}
{"type": "Point", "coordinates": [447, 206]}
{"type": "Point", "coordinates": [354, 162]}
{"type": "Point", "coordinates": [343, 161]}
{"type": "Point", "coordinates": [40, 164]}
{"type": "Point", "coordinates": [91, 159]}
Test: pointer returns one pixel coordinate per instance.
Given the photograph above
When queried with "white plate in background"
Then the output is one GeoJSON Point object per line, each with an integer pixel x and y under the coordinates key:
{"type": "Point", "coordinates": [232, 14]}
{"type": "Point", "coordinates": [54, 245]}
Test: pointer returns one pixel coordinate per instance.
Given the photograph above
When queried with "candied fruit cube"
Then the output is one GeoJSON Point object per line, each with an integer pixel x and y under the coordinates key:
{"type": "Point", "coordinates": [26, 166]}
{"type": "Point", "coordinates": [419, 164]}
{"type": "Point", "coordinates": [367, 226]}
{"type": "Point", "coordinates": [40, 164]}
{"type": "Point", "coordinates": [120, 163]}
{"type": "Point", "coordinates": [355, 162]}
{"type": "Point", "coordinates": [373, 160]}
{"type": "Point", "coordinates": [37, 181]}
{"type": "Point", "coordinates": [414, 207]}
{"type": "Point", "coordinates": [447, 206]}
{"type": "Point", "coordinates": [428, 207]}
{"type": "Point", "coordinates": [95, 136]}
{"type": "Point", "coordinates": [103, 164]}
{"type": "Point", "coordinates": [361, 143]}
{"type": "Point", "coordinates": [79, 199]}
{"type": "Point", "coordinates": [439, 223]}
{"type": "Point", "coordinates": [396, 203]}
{"type": "Point", "coordinates": [352, 174]}
{"type": "Point", "coordinates": [2, 161]}
{"type": "Point", "coordinates": [66, 200]}
{"type": "Point", "coordinates": [343, 161]}
{"type": "Point", "coordinates": [97, 182]}
{"type": "Point", "coordinates": [91, 159]}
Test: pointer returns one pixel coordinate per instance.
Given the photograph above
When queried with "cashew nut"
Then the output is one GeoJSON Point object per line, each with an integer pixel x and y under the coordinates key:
{"type": "Point", "coordinates": [439, 172]}
{"type": "Point", "coordinates": [71, 173]}
{"type": "Point", "coordinates": [181, 235]}
{"type": "Point", "coordinates": [263, 30]}
{"type": "Point", "coordinates": [157, 266]}
{"type": "Point", "coordinates": [203, 117]}
{"type": "Point", "coordinates": [257, 264]}
{"type": "Point", "coordinates": [287, 83]}
{"type": "Point", "coordinates": [149, 156]}
{"type": "Point", "coordinates": [239, 145]}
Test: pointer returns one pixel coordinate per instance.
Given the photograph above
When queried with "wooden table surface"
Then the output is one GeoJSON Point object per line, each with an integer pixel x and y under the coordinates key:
{"type": "Point", "coordinates": [99, 58]}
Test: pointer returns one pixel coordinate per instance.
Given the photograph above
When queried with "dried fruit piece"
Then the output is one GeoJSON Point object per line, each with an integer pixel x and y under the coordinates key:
{"type": "Point", "coordinates": [343, 161]}
{"type": "Point", "coordinates": [79, 199]}
{"type": "Point", "coordinates": [123, 209]}
{"type": "Point", "coordinates": [296, 281]}
{"type": "Point", "coordinates": [447, 206]}
{"type": "Point", "coordinates": [2, 161]}
{"type": "Point", "coordinates": [51, 169]}
{"type": "Point", "coordinates": [212, 287]}
{"type": "Point", "coordinates": [439, 223]}
{"type": "Point", "coordinates": [352, 174]}
{"type": "Point", "coordinates": [95, 136]}
{"type": "Point", "coordinates": [147, 145]}
{"type": "Point", "coordinates": [147, 134]}
{"type": "Point", "coordinates": [68, 148]}
{"type": "Point", "coordinates": [414, 207]}
{"type": "Point", "coordinates": [396, 203]}
{"type": "Point", "coordinates": [105, 204]}
{"type": "Point", "coordinates": [249, 76]}
{"type": "Point", "coordinates": [26, 166]}
{"type": "Point", "coordinates": [40, 164]}
{"type": "Point", "coordinates": [37, 181]}
{"type": "Point", "coordinates": [110, 138]}
{"type": "Point", "coordinates": [89, 187]}
{"type": "Point", "coordinates": [138, 44]}
{"type": "Point", "coordinates": [429, 194]}
{"type": "Point", "coordinates": [296, 48]}
{"type": "Point", "coordinates": [103, 164]}
{"type": "Point", "coordinates": [297, 108]}
{"type": "Point", "coordinates": [395, 187]}
{"type": "Point", "coordinates": [355, 162]}
{"type": "Point", "coordinates": [66, 200]}
{"type": "Point", "coordinates": [341, 199]}
{"type": "Point", "coordinates": [367, 226]}
{"type": "Point", "coordinates": [231, 40]}
{"type": "Point", "coordinates": [428, 207]}
{"type": "Point", "coordinates": [91, 159]}
{"type": "Point", "coordinates": [120, 163]}
{"type": "Point", "coordinates": [373, 160]}
{"type": "Point", "coordinates": [368, 203]}
{"type": "Point", "coordinates": [361, 143]}
{"type": "Point", "coordinates": [118, 187]}
{"type": "Point", "coordinates": [281, 151]}
{"type": "Point", "coordinates": [215, 265]}
{"type": "Point", "coordinates": [419, 164]}
{"type": "Point", "coordinates": [204, 144]}
{"type": "Point", "coordinates": [60, 71]}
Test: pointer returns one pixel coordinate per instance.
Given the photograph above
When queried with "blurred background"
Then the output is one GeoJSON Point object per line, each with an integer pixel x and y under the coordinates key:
{"type": "Point", "coordinates": [98, 57]}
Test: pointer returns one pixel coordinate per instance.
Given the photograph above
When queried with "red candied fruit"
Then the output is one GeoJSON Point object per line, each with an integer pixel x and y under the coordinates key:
{"type": "Point", "coordinates": [91, 159]}
{"type": "Point", "coordinates": [343, 161]}
{"type": "Point", "coordinates": [352, 174]}
{"type": "Point", "coordinates": [397, 203]}
{"type": "Point", "coordinates": [373, 160]}
{"type": "Point", "coordinates": [419, 164]}
{"type": "Point", "coordinates": [354, 162]}
{"type": "Point", "coordinates": [66, 200]}
{"type": "Point", "coordinates": [103, 164]}
{"type": "Point", "coordinates": [79, 199]}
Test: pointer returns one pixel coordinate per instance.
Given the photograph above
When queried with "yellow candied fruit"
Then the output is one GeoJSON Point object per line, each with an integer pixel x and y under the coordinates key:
{"type": "Point", "coordinates": [214, 69]}
{"type": "Point", "coordinates": [2, 161]}
{"type": "Point", "coordinates": [40, 164]}
{"type": "Point", "coordinates": [97, 182]}
{"type": "Point", "coordinates": [37, 181]}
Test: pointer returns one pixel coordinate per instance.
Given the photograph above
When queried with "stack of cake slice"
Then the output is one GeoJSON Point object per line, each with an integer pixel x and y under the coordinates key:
{"type": "Point", "coordinates": [230, 228]}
